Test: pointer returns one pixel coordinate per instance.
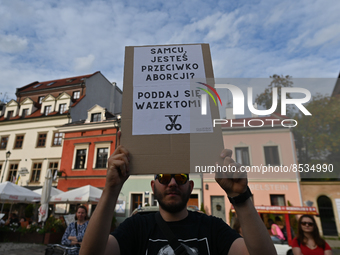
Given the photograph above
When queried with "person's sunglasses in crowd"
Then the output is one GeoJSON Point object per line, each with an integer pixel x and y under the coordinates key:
{"type": "Point", "coordinates": [166, 178]}
{"type": "Point", "coordinates": [308, 224]}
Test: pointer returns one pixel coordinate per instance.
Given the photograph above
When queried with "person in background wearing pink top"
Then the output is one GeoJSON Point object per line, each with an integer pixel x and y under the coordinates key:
{"type": "Point", "coordinates": [277, 235]}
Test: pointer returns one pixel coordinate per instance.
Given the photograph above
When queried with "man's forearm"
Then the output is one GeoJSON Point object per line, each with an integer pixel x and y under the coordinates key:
{"type": "Point", "coordinates": [254, 231]}
{"type": "Point", "coordinates": [98, 229]}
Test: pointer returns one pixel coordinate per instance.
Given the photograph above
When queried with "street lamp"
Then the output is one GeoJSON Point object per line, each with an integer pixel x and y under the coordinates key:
{"type": "Point", "coordinates": [8, 154]}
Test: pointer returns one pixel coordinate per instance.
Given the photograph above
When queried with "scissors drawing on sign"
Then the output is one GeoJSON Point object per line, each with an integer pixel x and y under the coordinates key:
{"type": "Point", "coordinates": [173, 124]}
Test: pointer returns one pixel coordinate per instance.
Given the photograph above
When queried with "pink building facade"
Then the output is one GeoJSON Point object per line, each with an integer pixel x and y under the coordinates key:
{"type": "Point", "coordinates": [268, 154]}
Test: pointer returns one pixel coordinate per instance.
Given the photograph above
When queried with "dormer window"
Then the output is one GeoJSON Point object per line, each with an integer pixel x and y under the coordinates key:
{"type": "Point", "coordinates": [76, 94]}
{"type": "Point", "coordinates": [47, 110]}
{"type": "Point", "coordinates": [62, 108]}
{"type": "Point", "coordinates": [10, 114]}
{"type": "Point", "coordinates": [38, 85]}
{"type": "Point", "coordinates": [51, 83]}
{"type": "Point", "coordinates": [40, 99]}
{"type": "Point", "coordinates": [95, 117]}
{"type": "Point", "coordinates": [24, 113]}
{"type": "Point", "coordinates": [96, 114]}
{"type": "Point", "coordinates": [70, 80]}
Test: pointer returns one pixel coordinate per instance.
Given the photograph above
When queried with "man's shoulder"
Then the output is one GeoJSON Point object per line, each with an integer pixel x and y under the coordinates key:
{"type": "Point", "coordinates": [204, 217]}
{"type": "Point", "coordinates": [141, 218]}
{"type": "Point", "coordinates": [149, 219]}
{"type": "Point", "coordinates": [136, 222]}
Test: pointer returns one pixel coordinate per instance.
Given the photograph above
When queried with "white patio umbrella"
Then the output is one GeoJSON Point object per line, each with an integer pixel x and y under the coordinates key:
{"type": "Point", "coordinates": [45, 196]}
{"type": "Point", "coordinates": [12, 193]}
{"type": "Point", "coordinates": [83, 194]}
{"type": "Point", "coordinates": [54, 191]}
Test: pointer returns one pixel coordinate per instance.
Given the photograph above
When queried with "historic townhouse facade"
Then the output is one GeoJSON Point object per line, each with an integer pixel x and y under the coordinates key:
{"type": "Point", "coordinates": [30, 143]}
{"type": "Point", "coordinates": [87, 147]}
{"type": "Point", "coordinates": [264, 145]}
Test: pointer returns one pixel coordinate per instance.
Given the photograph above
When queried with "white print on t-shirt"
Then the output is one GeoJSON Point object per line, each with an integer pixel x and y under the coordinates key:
{"type": "Point", "coordinates": [167, 250]}
{"type": "Point", "coordinates": [189, 245]}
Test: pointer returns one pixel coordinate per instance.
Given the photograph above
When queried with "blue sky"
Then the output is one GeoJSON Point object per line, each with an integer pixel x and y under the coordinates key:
{"type": "Point", "coordinates": [42, 40]}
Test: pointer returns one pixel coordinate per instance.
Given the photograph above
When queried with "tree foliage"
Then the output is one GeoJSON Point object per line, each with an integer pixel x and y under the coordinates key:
{"type": "Point", "coordinates": [317, 137]}
{"type": "Point", "coordinates": [4, 97]}
{"type": "Point", "coordinates": [265, 99]}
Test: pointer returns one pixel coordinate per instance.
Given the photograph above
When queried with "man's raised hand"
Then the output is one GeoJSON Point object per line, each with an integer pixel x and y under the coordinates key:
{"type": "Point", "coordinates": [233, 181]}
{"type": "Point", "coordinates": [118, 166]}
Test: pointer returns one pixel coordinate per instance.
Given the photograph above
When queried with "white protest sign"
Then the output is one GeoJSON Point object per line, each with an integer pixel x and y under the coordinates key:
{"type": "Point", "coordinates": [163, 101]}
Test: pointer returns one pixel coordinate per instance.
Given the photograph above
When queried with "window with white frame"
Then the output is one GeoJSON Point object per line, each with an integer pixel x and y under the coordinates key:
{"type": "Point", "coordinates": [19, 140]}
{"type": "Point", "coordinates": [12, 173]}
{"type": "Point", "coordinates": [277, 200]}
{"type": "Point", "coordinates": [242, 155]}
{"type": "Point", "coordinates": [48, 109]}
{"type": "Point", "coordinates": [76, 94]}
{"type": "Point", "coordinates": [271, 154]}
{"type": "Point", "coordinates": [96, 114]}
{"type": "Point", "coordinates": [54, 168]}
{"type": "Point", "coordinates": [24, 112]}
{"type": "Point", "coordinates": [40, 99]}
{"type": "Point", "coordinates": [3, 142]}
{"type": "Point", "coordinates": [62, 108]}
{"type": "Point", "coordinates": [80, 156]}
{"type": "Point", "coordinates": [101, 154]}
{"type": "Point", "coordinates": [36, 170]}
{"type": "Point", "coordinates": [96, 117]}
{"type": "Point", "coordinates": [57, 139]}
{"type": "Point", "coordinates": [41, 142]}
{"type": "Point", "coordinates": [10, 114]}
{"type": "Point", "coordinates": [80, 159]}
{"type": "Point", "coordinates": [101, 158]}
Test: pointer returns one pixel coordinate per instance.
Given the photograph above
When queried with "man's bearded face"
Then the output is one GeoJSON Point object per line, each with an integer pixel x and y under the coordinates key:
{"type": "Point", "coordinates": [174, 198]}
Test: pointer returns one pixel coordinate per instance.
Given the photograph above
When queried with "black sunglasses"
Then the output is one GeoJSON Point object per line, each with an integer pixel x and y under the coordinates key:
{"type": "Point", "coordinates": [304, 223]}
{"type": "Point", "coordinates": [166, 178]}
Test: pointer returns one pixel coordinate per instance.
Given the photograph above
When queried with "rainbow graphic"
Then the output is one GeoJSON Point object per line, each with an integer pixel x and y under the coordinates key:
{"type": "Point", "coordinates": [208, 92]}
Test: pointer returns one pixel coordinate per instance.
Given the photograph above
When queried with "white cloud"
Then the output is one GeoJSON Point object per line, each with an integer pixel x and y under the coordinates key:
{"type": "Point", "coordinates": [84, 64]}
{"type": "Point", "coordinates": [324, 35]}
{"type": "Point", "coordinates": [225, 28]}
{"type": "Point", "coordinates": [53, 39]}
{"type": "Point", "coordinates": [12, 43]}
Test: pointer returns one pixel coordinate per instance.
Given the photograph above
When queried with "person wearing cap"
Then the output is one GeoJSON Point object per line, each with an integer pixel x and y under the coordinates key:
{"type": "Point", "coordinates": [196, 232]}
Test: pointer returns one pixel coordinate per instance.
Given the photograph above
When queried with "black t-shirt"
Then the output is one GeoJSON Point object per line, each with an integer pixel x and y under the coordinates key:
{"type": "Point", "coordinates": [203, 234]}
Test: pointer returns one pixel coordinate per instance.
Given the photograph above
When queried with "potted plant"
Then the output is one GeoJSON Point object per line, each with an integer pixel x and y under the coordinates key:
{"type": "Point", "coordinates": [31, 234]}
{"type": "Point", "coordinates": [54, 229]}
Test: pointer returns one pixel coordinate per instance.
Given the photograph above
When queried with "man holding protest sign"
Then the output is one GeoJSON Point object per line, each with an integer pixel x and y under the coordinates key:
{"type": "Point", "coordinates": [197, 233]}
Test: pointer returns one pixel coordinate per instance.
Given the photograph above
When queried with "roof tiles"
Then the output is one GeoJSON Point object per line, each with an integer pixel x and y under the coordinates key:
{"type": "Point", "coordinates": [35, 86]}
